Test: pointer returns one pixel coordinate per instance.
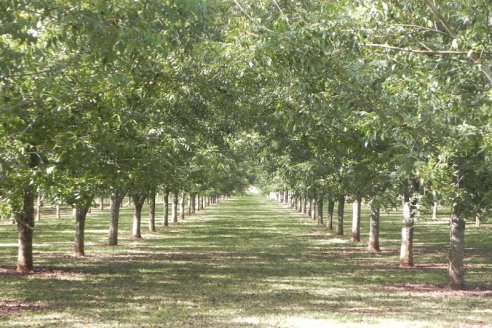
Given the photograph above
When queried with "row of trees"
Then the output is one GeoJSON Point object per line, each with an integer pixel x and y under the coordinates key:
{"type": "Point", "coordinates": [110, 98]}
{"type": "Point", "coordinates": [367, 99]}
{"type": "Point", "coordinates": [389, 102]}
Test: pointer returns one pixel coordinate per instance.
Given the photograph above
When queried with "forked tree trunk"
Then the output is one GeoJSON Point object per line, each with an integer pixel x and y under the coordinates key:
{"type": "Point", "coordinates": [116, 200]}
{"type": "Point", "coordinates": [406, 250]}
{"type": "Point", "coordinates": [165, 219]}
{"type": "Point", "coordinates": [175, 206]}
{"type": "Point", "coordinates": [80, 216]}
{"type": "Point", "coordinates": [356, 208]}
{"type": "Point", "coordinates": [341, 208]}
{"type": "Point", "coordinates": [374, 229]}
{"type": "Point", "coordinates": [152, 211]}
{"type": "Point", "coordinates": [182, 205]}
{"type": "Point", "coordinates": [331, 209]}
{"type": "Point", "coordinates": [25, 229]}
{"type": "Point", "coordinates": [138, 202]}
{"type": "Point", "coordinates": [456, 268]}
{"type": "Point", "coordinates": [320, 211]}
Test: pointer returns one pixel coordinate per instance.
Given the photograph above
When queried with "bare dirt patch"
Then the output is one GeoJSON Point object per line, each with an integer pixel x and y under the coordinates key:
{"type": "Point", "coordinates": [12, 307]}
{"type": "Point", "coordinates": [440, 291]}
{"type": "Point", "coordinates": [45, 273]}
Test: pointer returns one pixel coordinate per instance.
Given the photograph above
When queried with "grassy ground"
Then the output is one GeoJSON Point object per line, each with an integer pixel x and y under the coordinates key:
{"type": "Point", "coordinates": [247, 262]}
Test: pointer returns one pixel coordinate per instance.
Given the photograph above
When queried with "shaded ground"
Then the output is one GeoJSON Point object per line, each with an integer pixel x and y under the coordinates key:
{"type": "Point", "coordinates": [247, 262]}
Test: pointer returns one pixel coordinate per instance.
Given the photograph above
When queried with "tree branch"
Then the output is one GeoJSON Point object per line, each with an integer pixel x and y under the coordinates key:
{"type": "Point", "coordinates": [416, 51]}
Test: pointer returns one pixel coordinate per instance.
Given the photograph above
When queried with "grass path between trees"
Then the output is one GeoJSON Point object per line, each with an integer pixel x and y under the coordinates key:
{"type": "Point", "coordinates": [247, 262]}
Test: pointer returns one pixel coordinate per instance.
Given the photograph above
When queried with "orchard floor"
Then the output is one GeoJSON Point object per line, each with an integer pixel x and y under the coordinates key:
{"type": "Point", "coordinates": [247, 262]}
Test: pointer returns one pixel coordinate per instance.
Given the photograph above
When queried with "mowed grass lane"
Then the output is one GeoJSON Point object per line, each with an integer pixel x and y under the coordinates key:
{"type": "Point", "coordinates": [247, 262]}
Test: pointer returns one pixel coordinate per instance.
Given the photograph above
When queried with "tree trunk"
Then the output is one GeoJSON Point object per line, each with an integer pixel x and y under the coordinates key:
{"type": "Point", "coordinates": [356, 208]}
{"type": "Point", "coordinates": [331, 209]}
{"type": "Point", "coordinates": [203, 202]}
{"type": "Point", "coordinates": [434, 211]}
{"type": "Point", "coordinates": [310, 207]}
{"type": "Point", "coordinates": [341, 208]}
{"type": "Point", "coordinates": [152, 211]}
{"type": "Point", "coordinates": [313, 209]}
{"type": "Point", "coordinates": [138, 201]}
{"type": "Point", "coordinates": [25, 229]}
{"type": "Point", "coordinates": [165, 219]}
{"type": "Point", "coordinates": [175, 206]}
{"type": "Point", "coordinates": [190, 204]}
{"type": "Point", "coordinates": [57, 208]}
{"type": "Point", "coordinates": [182, 205]}
{"type": "Point", "coordinates": [101, 203]}
{"type": "Point", "coordinates": [80, 215]}
{"type": "Point", "coordinates": [406, 250]}
{"type": "Point", "coordinates": [320, 211]}
{"type": "Point", "coordinates": [456, 268]}
{"type": "Point", "coordinates": [116, 200]}
{"type": "Point", "coordinates": [374, 229]}
{"type": "Point", "coordinates": [304, 206]}
{"type": "Point", "coordinates": [39, 204]}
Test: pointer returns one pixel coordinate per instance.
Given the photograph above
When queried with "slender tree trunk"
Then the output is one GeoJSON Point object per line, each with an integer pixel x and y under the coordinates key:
{"type": "Point", "coordinates": [434, 211]}
{"type": "Point", "coordinates": [406, 250]}
{"type": "Point", "coordinates": [25, 229]}
{"type": "Point", "coordinates": [175, 206]}
{"type": "Point", "coordinates": [152, 211]}
{"type": "Point", "coordinates": [374, 229]}
{"type": "Point", "coordinates": [310, 207]}
{"type": "Point", "coordinates": [165, 219]}
{"type": "Point", "coordinates": [203, 202]}
{"type": "Point", "coordinates": [341, 209]}
{"type": "Point", "coordinates": [456, 268]}
{"type": "Point", "coordinates": [39, 204]}
{"type": "Point", "coordinates": [190, 204]}
{"type": "Point", "coordinates": [101, 203]}
{"type": "Point", "coordinates": [116, 200]}
{"type": "Point", "coordinates": [138, 202]}
{"type": "Point", "coordinates": [313, 209]}
{"type": "Point", "coordinates": [182, 205]}
{"type": "Point", "coordinates": [57, 208]}
{"type": "Point", "coordinates": [80, 216]}
{"type": "Point", "coordinates": [356, 219]}
{"type": "Point", "coordinates": [331, 209]}
{"type": "Point", "coordinates": [305, 205]}
{"type": "Point", "coordinates": [320, 211]}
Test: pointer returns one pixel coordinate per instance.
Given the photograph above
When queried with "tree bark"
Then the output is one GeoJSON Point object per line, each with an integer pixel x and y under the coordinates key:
{"type": "Point", "coordinates": [138, 201]}
{"type": "Point", "coordinates": [374, 229]}
{"type": "Point", "coordinates": [456, 268]}
{"type": "Point", "coordinates": [25, 229]}
{"type": "Point", "coordinates": [304, 206]}
{"type": "Point", "coordinates": [57, 209]}
{"type": "Point", "coordinates": [165, 219]}
{"type": "Point", "coordinates": [313, 209]}
{"type": "Point", "coordinates": [175, 206]}
{"type": "Point", "coordinates": [80, 216]}
{"type": "Point", "coordinates": [116, 200]}
{"type": "Point", "coordinates": [310, 207]}
{"type": "Point", "coordinates": [341, 208]}
{"type": "Point", "coordinates": [320, 211]}
{"type": "Point", "coordinates": [331, 209]}
{"type": "Point", "coordinates": [406, 250]}
{"type": "Point", "coordinates": [356, 209]}
{"type": "Point", "coordinates": [182, 205]}
{"type": "Point", "coordinates": [152, 211]}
